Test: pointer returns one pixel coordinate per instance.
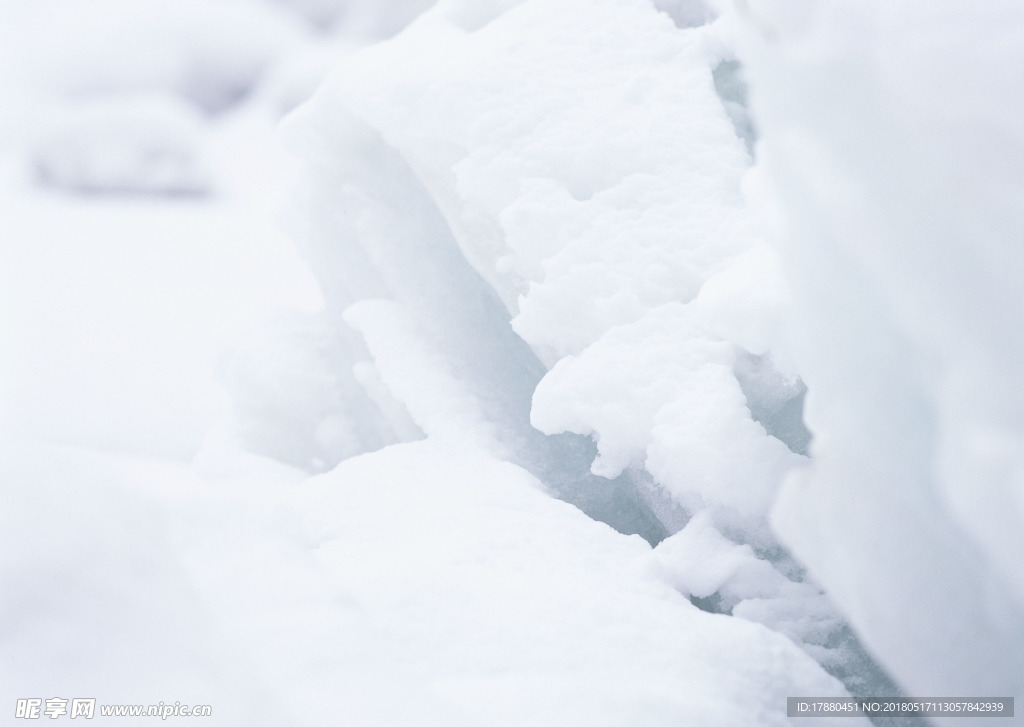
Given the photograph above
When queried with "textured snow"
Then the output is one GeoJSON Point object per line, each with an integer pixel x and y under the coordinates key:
{"type": "Point", "coordinates": [581, 362]}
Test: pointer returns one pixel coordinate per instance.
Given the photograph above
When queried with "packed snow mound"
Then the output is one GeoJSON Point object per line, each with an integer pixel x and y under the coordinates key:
{"type": "Point", "coordinates": [139, 144]}
{"type": "Point", "coordinates": [892, 146]}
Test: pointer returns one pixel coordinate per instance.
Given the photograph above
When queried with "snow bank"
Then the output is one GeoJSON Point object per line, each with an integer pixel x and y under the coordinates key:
{"type": "Point", "coordinates": [892, 145]}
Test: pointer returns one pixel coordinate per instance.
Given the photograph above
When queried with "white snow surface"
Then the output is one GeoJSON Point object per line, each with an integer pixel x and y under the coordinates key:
{"type": "Point", "coordinates": [368, 431]}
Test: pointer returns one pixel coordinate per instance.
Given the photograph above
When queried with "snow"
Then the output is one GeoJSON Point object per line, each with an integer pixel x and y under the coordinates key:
{"type": "Point", "coordinates": [422, 581]}
{"type": "Point", "coordinates": [901, 220]}
{"type": "Point", "coordinates": [598, 224]}
{"type": "Point", "coordinates": [541, 198]}
{"type": "Point", "coordinates": [552, 362]}
{"type": "Point", "coordinates": [123, 308]}
{"type": "Point", "coordinates": [211, 53]}
{"type": "Point", "coordinates": [136, 145]}
{"type": "Point", "coordinates": [519, 585]}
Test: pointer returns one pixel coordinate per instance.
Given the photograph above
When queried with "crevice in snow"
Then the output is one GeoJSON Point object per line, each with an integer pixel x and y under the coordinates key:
{"type": "Point", "coordinates": [768, 586]}
{"type": "Point", "coordinates": [775, 401]}
{"type": "Point", "coordinates": [436, 333]}
{"type": "Point", "coordinates": [686, 13]}
{"type": "Point", "coordinates": [732, 89]}
{"type": "Point", "coordinates": [710, 604]}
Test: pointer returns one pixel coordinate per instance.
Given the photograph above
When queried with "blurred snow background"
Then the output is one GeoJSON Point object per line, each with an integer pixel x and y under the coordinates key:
{"type": "Point", "coordinates": [588, 362]}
